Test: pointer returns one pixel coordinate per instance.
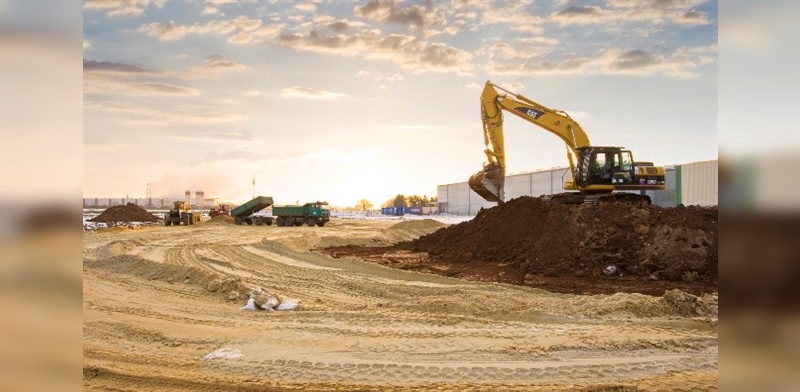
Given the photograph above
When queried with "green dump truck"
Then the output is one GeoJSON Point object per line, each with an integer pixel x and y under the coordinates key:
{"type": "Point", "coordinates": [243, 214]}
{"type": "Point", "coordinates": [315, 213]}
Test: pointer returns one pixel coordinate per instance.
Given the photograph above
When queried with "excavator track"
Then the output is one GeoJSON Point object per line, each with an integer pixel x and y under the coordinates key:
{"type": "Point", "coordinates": [632, 199]}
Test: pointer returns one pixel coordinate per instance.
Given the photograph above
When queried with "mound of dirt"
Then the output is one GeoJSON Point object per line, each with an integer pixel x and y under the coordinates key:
{"type": "Point", "coordinates": [227, 287]}
{"type": "Point", "coordinates": [128, 213]}
{"type": "Point", "coordinates": [51, 217]}
{"type": "Point", "coordinates": [220, 220]}
{"type": "Point", "coordinates": [554, 239]}
{"type": "Point", "coordinates": [412, 225]}
{"type": "Point", "coordinates": [409, 230]}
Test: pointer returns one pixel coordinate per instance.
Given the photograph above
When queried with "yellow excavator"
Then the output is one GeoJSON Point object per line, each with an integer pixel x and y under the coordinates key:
{"type": "Point", "coordinates": [597, 171]}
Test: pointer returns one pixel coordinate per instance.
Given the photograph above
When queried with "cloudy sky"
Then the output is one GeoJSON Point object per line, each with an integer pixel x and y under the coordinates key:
{"type": "Point", "coordinates": [343, 100]}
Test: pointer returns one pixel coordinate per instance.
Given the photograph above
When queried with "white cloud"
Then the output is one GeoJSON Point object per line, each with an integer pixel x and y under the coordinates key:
{"type": "Point", "coordinates": [216, 136]}
{"type": "Point", "coordinates": [165, 31]}
{"type": "Point", "coordinates": [406, 51]}
{"type": "Point", "coordinates": [512, 86]}
{"type": "Point", "coordinates": [342, 25]}
{"type": "Point", "coordinates": [415, 16]}
{"type": "Point", "coordinates": [151, 89]}
{"type": "Point", "coordinates": [298, 157]}
{"type": "Point", "coordinates": [681, 64]}
{"type": "Point", "coordinates": [210, 10]}
{"type": "Point", "coordinates": [115, 8]}
{"type": "Point", "coordinates": [239, 30]}
{"type": "Point", "coordinates": [103, 77]}
{"type": "Point", "coordinates": [517, 13]}
{"type": "Point", "coordinates": [212, 68]}
{"type": "Point", "coordinates": [678, 12]}
{"type": "Point", "coordinates": [379, 76]}
{"type": "Point", "coordinates": [461, 5]}
{"type": "Point", "coordinates": [310, 93]}
{"type": "Point", "coordinates": [94, 68]}
{"type": "Point", "coordinates": [305, 7]}
{"type": "Point", "coordinates": [161, 88]}
{"type": "Point", "coordinates": [160, 116]}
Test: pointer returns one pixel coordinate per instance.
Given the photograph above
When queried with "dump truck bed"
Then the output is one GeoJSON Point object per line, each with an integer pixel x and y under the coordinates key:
{"type": "Point", "coordinates": [289, 210]}
{"type": "Point", "coordinates": [251, 207]}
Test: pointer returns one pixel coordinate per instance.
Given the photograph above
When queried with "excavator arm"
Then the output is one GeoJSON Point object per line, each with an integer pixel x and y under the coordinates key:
{"type": "Point", "coordinates": [489, 182]}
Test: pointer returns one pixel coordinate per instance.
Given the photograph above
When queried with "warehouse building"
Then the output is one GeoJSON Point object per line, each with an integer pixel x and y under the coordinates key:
{"type": "Point", "coordinates": [687, 184]}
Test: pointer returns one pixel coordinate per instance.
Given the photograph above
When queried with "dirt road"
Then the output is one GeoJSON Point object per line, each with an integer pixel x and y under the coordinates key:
{"type": "Point", "coordinates": [157, 317]}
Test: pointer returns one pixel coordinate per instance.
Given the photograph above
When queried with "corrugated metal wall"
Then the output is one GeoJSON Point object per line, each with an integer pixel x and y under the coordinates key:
{"type": "Point", "coordinates": [458, 199]}
{"type": "Point", "coordinates": [697, 183]}
{"type": "Point", "coordinates": [667, 197]}
{"type": "Point", "coordinates": [694, 183]}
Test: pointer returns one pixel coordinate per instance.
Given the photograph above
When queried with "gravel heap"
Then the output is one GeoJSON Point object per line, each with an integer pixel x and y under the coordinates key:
{"type": "Point", "coordinates": [128, 213]}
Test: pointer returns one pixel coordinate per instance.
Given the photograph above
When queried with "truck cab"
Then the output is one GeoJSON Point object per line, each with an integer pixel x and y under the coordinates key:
{"type": "Point", "coordinates": [319, 210]}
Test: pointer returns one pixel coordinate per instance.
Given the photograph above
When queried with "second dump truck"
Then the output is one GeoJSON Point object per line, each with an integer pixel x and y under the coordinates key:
{"type": "Point", "coordinates": [315, 213]}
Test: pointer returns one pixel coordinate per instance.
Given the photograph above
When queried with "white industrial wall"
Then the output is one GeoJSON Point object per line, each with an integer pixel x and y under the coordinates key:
{"type": "Point", "coordinates": [459, 199]}
{"type": "Point", "coordinates": [666, 197]}
{"type": "Point", "coordinates": [699, 183]}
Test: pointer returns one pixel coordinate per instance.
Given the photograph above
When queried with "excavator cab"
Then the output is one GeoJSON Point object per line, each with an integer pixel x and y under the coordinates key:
{"type": "Point", "coordinates": [603, 169]}
{"type": "Point", "coordinates": [601, 165]}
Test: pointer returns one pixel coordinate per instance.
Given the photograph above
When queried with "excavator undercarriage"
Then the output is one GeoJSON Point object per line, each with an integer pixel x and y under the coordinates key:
{"type": "Point", "coordinates": [631, 199]}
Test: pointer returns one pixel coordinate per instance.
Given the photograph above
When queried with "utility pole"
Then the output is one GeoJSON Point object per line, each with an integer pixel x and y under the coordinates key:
{"type": "Point", "coordinates": [254, 186]}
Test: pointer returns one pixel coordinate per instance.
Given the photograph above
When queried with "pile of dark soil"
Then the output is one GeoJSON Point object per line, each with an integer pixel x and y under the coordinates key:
{"type": "Point", "coordinates": [554, 239]}
{"type": "Point", "coordinates": [53, 217]}
{"type": "Point", "coordinates": [127, 213]}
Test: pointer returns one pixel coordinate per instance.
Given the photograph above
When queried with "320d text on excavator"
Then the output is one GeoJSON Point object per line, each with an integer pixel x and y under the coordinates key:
{"type": "Point", "coordinates": [597, 171]}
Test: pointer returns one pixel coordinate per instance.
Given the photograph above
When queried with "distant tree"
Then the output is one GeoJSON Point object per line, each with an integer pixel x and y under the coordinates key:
{"type": "Point", "coordinates": [414, 201]}
{"type": "Point", "coordinates": [419, 201]}
{"type": "Point", "coordinates": [410, 201]}
{"type": "Point", "coordinates": [364, 205]}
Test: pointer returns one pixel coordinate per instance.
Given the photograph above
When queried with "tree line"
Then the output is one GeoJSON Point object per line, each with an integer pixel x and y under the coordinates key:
{"type": "Point", "coordinates": [399, 201]}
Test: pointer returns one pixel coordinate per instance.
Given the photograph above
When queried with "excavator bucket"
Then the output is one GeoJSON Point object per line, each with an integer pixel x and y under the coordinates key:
{"type": "Point", "coordinates": [488, 183]}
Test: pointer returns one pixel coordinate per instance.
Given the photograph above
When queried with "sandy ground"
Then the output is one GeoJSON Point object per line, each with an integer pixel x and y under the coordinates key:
{"type": "Point", "coordinates": [155, 318]}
